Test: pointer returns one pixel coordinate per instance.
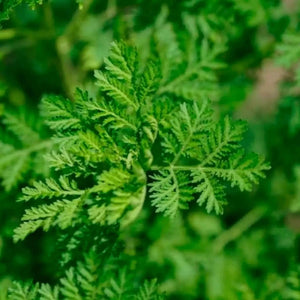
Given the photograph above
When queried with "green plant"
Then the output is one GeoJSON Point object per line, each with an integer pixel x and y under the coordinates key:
{"type": "Point", "coordinates": [123, 142]}
{"type": "Point", "coordinates": [139, 170]}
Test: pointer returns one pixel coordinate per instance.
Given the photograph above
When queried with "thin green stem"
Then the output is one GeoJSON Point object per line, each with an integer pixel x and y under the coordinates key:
{"type": "Point", "coordinates": [111, 9]}
{"type": "Point", "coordinates": [10, 34]}
{"type": "Point", "coordinates": [76, 21]}
{"type": "Point", "coordinates": [238, 228]}
{"type": "Point", "coordinates": [62, 42]}
{"type": "Point", "coordinates": [179, 168]}
{"type": "Point", "coordinates": [62, 47]}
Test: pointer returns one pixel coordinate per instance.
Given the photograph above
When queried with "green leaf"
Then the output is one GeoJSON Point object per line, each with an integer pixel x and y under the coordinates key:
{"type": "Point", "coordinates": [170, 192]}
{"type": "Point", "coordinates": [23, 292]}
{"type": "Point", "coordinates": [51, 188]}
{"type": "Point", "coordinates": [113, 179]}
{"type": "Point", "coordinates": [210, 190]}
{"type": "Point", "coordinates": [117, 90]}
{"type": "Point", "coordinates": [48, 293]}
{"type": "Point", "coordinates": [149, 291]}
{"type": "Point", "coordinates": [59, 113]}
{"type": "Point", "coordinates": [60, 213]}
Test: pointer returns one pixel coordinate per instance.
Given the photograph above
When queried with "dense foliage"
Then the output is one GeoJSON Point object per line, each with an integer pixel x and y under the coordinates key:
{"type": "Point", "coordinates": [126, 172]}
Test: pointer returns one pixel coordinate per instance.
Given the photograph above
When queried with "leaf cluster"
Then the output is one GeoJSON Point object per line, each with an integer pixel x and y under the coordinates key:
{"type": "Point", "coordinates": [115, 140]}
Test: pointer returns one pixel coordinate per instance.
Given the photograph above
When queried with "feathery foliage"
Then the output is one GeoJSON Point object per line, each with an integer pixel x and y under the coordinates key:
{"type": "Point", "coordinates": [206, 152]}
{"type": "Point", "coordinates": [124, 178]}
{"type": "Point", "coordinates": [84, 281]}
{"type": "Point", "coordinates": [112, 143]}
{"type": "Point", "coordinates": [22, 149]}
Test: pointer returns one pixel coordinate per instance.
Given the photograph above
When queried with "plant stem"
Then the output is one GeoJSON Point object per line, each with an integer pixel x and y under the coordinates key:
{"type": "Point", "coordinates": [63, 45]}
{"type": "Point", "coordinates": [62, 48]}
{"type": "Point", "coordinates": [111, 9]}
{"type": "Point", "coordinates": [75, 23]}
{"type": "Point", "coordinates": [10, 34]}
{"type": "Point", "coordinates": [238, 228]}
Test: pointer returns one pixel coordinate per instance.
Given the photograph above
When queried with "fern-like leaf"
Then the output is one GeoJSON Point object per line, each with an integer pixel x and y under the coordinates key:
{"type": "Point", "coordinates": [46, 292]}
{"type": "Point", "coordinates": [206, 154]}
{"type": "Point", "coordinates": [148, 291]}
{"type": "Point", "coordinates": [51, 188]}
{"type": "Point", "coordinates": [23, 292]}
{"type": "Point", "coordinates": [210, 191]}
{"type": "Point", "coordinates": [170, 192]}
{"type": "Point", "coordinates": [59, 113]}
